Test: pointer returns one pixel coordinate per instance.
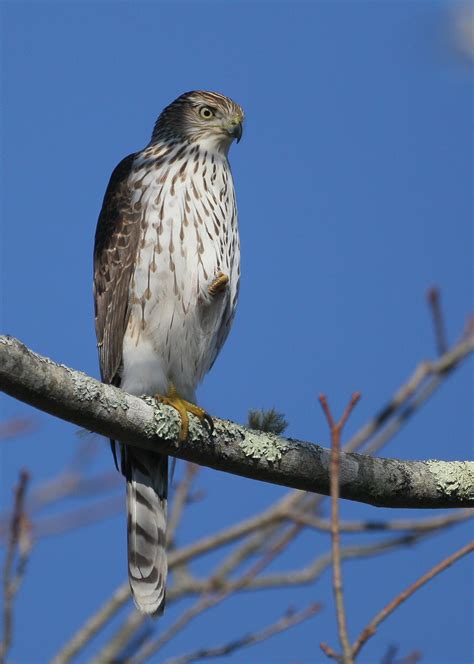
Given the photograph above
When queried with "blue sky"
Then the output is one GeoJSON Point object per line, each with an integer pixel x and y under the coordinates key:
{"type": "Point", "coordinates": [354, 187]}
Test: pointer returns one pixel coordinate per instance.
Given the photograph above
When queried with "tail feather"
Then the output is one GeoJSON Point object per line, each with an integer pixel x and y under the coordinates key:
{"type": "Point", "coordinates": [147, 489]}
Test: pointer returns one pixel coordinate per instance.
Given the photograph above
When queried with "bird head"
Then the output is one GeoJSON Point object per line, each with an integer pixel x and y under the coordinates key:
{"type": "Point", "coordinates": [207, 118]}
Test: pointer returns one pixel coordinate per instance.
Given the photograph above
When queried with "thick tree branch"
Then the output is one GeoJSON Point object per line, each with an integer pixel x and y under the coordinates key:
{"type": "Point", "coordinates": [80, 399]}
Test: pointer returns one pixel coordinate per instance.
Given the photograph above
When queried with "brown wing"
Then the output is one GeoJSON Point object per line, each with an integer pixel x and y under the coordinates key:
{"type": "Point", "coordinates": [115, 249]}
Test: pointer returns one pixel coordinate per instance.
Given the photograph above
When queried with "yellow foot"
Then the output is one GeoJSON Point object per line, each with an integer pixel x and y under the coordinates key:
{"type": "Point", "coordinates": [219, 284]}
{"type": "Point", "coordinates": [184, 407]}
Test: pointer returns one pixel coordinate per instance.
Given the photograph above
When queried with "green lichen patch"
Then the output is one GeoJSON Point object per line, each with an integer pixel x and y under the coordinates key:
{"type": "Point", "coordinates": [261, 446]}
{"type": "Point", "coordinates": [84, 388]}
{"type": "Point", "coordinates": [88, 389]}
{"type": "Point", "coordinates": [454, 478]}
{"type": "Point", "coordinates": [166, 423]}
{"type": "Point", "coordinates": [228, 432]}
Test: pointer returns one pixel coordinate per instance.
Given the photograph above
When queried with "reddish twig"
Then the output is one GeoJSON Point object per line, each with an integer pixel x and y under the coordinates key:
{"type": "Point", "coordinates": [468, 328]}
{"type": "Point", "coordinates": [371, 628]}
{"type": "Point", "coordinates": [390, 656]}
{"type": "Point", "coordinates": [327, 650]}
{"type": "Point", "coordinates": [11, 580]}
{"type": "Point", "coordinates": [434, 300]}
{"type": "Point", "coordinates": [16, 426]}
{"type": "Point", "coordinates": [411, 658]}
{"type": "Point", "coordinates": [336, 430]}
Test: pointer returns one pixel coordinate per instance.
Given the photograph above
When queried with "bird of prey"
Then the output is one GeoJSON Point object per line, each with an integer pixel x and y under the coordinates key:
{"type": "Point", "coordinates": [166, 280]}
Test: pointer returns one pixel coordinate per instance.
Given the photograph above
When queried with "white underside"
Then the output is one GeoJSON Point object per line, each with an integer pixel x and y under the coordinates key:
{"type": "Point", "coordinates": [176, 329]}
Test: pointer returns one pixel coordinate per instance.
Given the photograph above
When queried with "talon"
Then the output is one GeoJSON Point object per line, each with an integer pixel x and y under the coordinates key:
{"type": "Point", "coordinates": [219, 284]}
{"type": "Point", "coordinates": [209, 421]}
{"type": "Point", "coordinates": [183, 407]}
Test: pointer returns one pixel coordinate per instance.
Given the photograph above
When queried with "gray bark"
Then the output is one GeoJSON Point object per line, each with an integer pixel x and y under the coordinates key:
{"type": "Point", "coordinates": [106, 410]}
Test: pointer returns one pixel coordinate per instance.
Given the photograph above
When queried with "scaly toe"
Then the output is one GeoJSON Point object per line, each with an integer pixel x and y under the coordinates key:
{"type": "Point", "coordinates": [178, 404]}
{"type": "Point", "coordinates": [201, 414]}
{"type": "Point", "coordinates": [184, 407]}
{"type": "Point", "coordinates": [219, 284]}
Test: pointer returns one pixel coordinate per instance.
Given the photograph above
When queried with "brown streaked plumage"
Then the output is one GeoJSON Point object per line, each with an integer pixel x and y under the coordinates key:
{"type": "Point", "coordinates": [116, 242]}
{"type": "Point", "coordinates": [166, 277]}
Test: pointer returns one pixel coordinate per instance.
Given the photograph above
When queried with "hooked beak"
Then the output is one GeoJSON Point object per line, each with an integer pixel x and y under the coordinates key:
{"type": "Point", "coordinates": [237, 132]}
{"type": "Point", "coordinates": [235, 128]}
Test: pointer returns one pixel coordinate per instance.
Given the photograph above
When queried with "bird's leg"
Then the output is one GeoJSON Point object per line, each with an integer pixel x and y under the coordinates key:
{"type": "Point", "coordinates": [219, 284]}
{"type": "Point", "coordinates": [184, 407]}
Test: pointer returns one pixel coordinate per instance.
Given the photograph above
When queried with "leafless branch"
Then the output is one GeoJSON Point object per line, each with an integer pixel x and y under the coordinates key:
{"type": "Point", "coordinates": [176, 558]}
{"type": "Point", "coordinates": [434, 300]}
{"type": "Point", "coordinates": [336, 429]}
{"type": "Point", "coordinates": [135, 621]}
{"type": "Point", "coordinates": [20, 540]}
{"type": "Point", "coordinates": [16, 426]}
{"type": "Point", "coordinates": [431, 523]}
{"type": "Point", "coordinates": [233, 448]}
{"type": "Point", "coordinates": [285, 623]}
{"type": "Point", "coordinates": [180, 499]}
{"type": "Point", "coordinates": [424, 380]}
{"type": "Point", "coordinates": [371, 628]}
{"type": "Point", "coordinates": [218, 579]}
{"type": "Point", "coordinates": [78, 518]}
{"type": "Point", "coordinates": [67, 483]}
{"type": "Point", "coordinates": [259, 455]}
{"type": "Point", "coordinates": [210, 600]}
{"type": "Point", "coordinates": [93, 625]}
{"type": "Point", "coordinates": [390, 656]}
{"type": "Point", "coordinates": [111, 651]}
{"type": "Point", "coordinates": [322, 562]}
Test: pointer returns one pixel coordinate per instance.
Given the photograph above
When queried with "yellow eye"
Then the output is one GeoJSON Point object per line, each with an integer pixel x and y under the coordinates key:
{"type": "Point", "coordinates": [206, 112]}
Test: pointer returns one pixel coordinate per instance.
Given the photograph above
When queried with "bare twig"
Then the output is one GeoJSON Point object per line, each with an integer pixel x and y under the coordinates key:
{"type": "Point", "coordinates": [208, 601]}
{"type": "Point", "coordinates": [192, 586]}
{"type": "Point", "coordinates": [288, 621]}
{"type": "Point", "coordinates": [68, 483]}
{"type": "Point", "coordinates": [327, 650]}
{"type": "Point", "coordinates": [433, 372]}
{"type": "Point", "coordinates": [319, 565]}
{"type": "Point", "coordinates": [122, 594]}
{"type": "Point", "coordinates": [135, 621]}
{"type": "Point", "coordinates": [19, 539]}
{"type": "Point", "coordinates": [336, 430]}
{"type": "Point", "coordinates": [180, 500]}
{"type": "Point", "coordinates": [111, 651]}
{"type": "Point", "coordinates": [434, 301]}
{"type": "Point", "coordinates": [16, 426]}
{"type": "Point", "coordinates": [270, 522]}
{"type": "Point", "coordinates": [270, 528]}
{"type": "Point", "coordinates": [288, 507]}
{"type": "Point", "coordinates": [93, 625]}
{"type": "Point", "coordinates": [390, 656]}
{"type": "Point", "coordinates": [78, 518]}
{"type": "Point", "coordinates": [411, 658]}
{"type": "Point", "coordinates": [413, 525]}
{"type": "Point", "coordinates": [371, 628]}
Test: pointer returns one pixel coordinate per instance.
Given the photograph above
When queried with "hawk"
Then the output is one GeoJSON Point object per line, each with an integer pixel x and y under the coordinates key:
{"type": "Point", "coordinates": [166, 280]}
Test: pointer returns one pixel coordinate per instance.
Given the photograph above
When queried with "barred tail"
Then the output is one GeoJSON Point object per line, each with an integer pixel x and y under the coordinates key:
{"type": "Point", "coordinates": [147, 489]}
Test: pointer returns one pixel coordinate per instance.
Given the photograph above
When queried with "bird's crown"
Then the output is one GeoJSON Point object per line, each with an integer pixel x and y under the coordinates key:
{"type": "Point", "coordinates": [200, 116]}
